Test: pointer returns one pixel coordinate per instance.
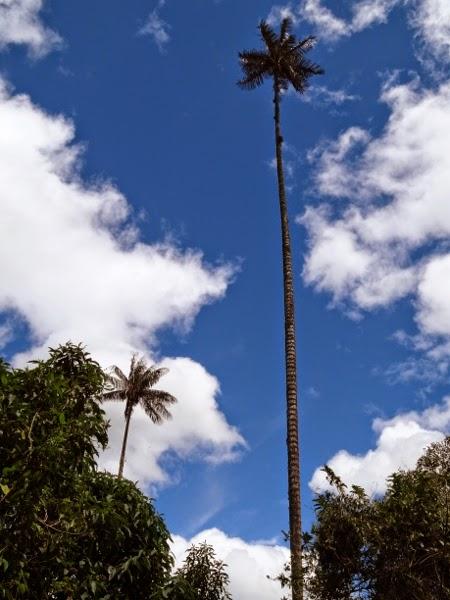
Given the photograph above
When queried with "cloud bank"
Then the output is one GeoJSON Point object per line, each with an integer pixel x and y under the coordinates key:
{"type": "Point", "coordinates": [400, 443]}
{"type": "Point", "coordinates": [248, 563]}
{"type": "Point", "coordinates": [73, 268]}
{"type": "Point", "coordinates": [386, 238]}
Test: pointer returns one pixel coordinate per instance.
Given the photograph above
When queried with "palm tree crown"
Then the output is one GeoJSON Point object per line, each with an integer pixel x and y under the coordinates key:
{"type": "Point", "coordinates": [136, 389]}
{"type": "Point", "coordinates": [283, 59]}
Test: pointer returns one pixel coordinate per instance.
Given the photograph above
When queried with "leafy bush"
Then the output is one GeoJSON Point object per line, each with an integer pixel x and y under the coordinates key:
{"type": "Point", "coordinates": [67, 530]}
{"type": "Point", "coordinates": [392, 548]}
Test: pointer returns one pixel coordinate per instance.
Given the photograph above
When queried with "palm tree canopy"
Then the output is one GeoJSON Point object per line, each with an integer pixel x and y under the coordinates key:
{"type": "Point", "coordinates": [283, 59]}
{"type": "Point", "coordinates": [137, 388]}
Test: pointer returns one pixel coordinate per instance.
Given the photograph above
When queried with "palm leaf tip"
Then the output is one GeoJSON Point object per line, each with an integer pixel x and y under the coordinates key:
{"type": "Point", "coordinates": [268, 35]}
{"type": "Point", "coordinates": [286, 27]}
{"type": "Point", "coordinates": [250, 83]}
{"type": "Point", "coordinates": [308, 43]}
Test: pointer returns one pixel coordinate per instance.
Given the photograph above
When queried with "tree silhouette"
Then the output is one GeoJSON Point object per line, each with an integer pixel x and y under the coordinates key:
{"type": "Point", "coordinates": [136, 389]}
{"type": "Point", "coordinates": [283, 60]}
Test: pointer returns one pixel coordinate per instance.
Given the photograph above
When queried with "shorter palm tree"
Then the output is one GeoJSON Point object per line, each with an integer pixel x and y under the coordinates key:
{"type": "Point", "coordinates": [136, 389]}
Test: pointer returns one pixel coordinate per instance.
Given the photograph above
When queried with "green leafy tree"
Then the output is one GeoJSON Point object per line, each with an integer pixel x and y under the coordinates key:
{"type": "Point", "coordinates": [396, 547]}
{"type": "Point", "coordinates": [66, 530]}
{"type": "Point", "coordinates": [205, 576]}
{"type": "Point", "coordinates": [283, 60]}
{"type": "Point", "coordinates": [414, 518]}
{"type": "Point", "coordinates": [136, 389]}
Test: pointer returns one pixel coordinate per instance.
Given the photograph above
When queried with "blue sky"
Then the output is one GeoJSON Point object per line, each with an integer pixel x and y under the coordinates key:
{"type": "Point", "coordinates": [144, 218]}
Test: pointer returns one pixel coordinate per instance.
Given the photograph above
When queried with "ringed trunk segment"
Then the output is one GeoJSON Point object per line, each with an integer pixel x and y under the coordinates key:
{"type": "Point", "coordinates": [295, 524]}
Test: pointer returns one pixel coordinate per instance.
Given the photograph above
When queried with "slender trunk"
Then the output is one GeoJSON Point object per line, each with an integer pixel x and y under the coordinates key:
{"type": "Point", "coordinates": [128, 412]}
{"type": "Point", "coordinates": [295, 523]}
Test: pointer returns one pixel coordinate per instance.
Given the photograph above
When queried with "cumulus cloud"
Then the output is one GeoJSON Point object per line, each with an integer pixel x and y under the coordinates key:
{"type": "Point", "coordinates": [249, 563]}
{"type": "Point", "coordinates": [73, 268]}
{"type": "Point", "coordinates": [430, 20]}
{"type": "Point", "coordinates": [386, 237]}
{"type": "Point", "coordinates": [20, 23]}
{"type": "Point", "coordinates": [400, 443]}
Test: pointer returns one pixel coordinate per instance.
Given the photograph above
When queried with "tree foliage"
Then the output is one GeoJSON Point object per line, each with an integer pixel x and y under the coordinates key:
{"type": "Point", "coordinates": [204, 574]}
{"type": "Point", "coordinates": [392, 548]}
{"type": "Point", "coordinates": [67, 530]}
{"type": "Point", "coordinates": [283, 60]}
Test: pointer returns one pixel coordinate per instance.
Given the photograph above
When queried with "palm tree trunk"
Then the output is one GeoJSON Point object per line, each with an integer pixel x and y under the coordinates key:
{"type": "Point", "coordinates": [128, 412]}
{"type": "Point", "coordinates": [295, 523]}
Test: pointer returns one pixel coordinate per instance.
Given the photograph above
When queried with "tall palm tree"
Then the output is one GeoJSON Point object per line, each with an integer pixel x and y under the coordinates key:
{"type": "Point", "coordinates": [136, 389]}
{"type": "Point", "coordinates": [283, 60]}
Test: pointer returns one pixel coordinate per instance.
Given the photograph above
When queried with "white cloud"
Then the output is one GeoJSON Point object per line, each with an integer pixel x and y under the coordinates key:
{"type": "Point", "coordinates": [334, 174]}
{"type": "Point", "coordinates": [20, 24]}
{"type": "Point", "coordinates": [364, 13]}
{"type": "Point", "coordinates": [370, 12]}
{"type": "Point", "coordinates": [248, 563]}
{"type": "Point", "coordinates": [73, 269]}
{"type": "Point", "coordinates": [429, 372]}
{"type": "Point", "coordinates": [321, 95]}
{"type": "Point", "coordinates": [400, 443]}
{"type": "Point", "coordinates": [429, 18]}
{"type": "Point", "coordinates": [387, 236]}
{"type": "Point", "coordinates": [434, 295]}
{"type": "Point", "coordinates": [330, 26]}
{"type": "Point", "coordinates": [156, 27]}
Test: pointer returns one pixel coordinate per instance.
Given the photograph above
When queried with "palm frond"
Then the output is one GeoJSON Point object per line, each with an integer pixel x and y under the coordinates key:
{"type": "Point", "coordinates": [152, 375]}
{"type": "Point", "coordinates": [289, 43]}
{"type": "Point", "coordinates": [134, 360]}
{"type": "Point", "coordinates": [119, 395]}
{"type": "Point", "coordinates": [307, 44]}
{"type": "Point", "coordinates": [269, 36]}
{"type": "Point", "coordinates": [119, 373]}
{"type": "Point", "coordinates": [285, 28]}
{"type": "Point", "coordinates": [254, 58]}
{"type": "Point", "coordinates": [113, 383]}
{"type": "Point", "coordinates": [298, 70]}
{"type": "Point", "coordinates": [155, 402]}
{"type": "Point", "coordinates": [256, 65]}
{"type": "Point", "coordinates": [138, 388]}
{"type": "Point", "coordinates": [251, 81]}
{"type": "Point", "coordinates": [138, 366]}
